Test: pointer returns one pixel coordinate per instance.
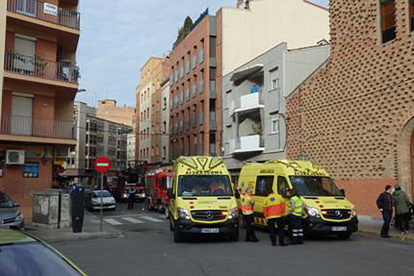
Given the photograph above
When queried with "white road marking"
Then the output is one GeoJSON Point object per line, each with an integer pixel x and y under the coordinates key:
{"type": "Point", "coordinates": [113, 222]}
{"type": "Point", "coordinates": [151, 219]}
{"type": "Point", "coordinates": [132, 220]}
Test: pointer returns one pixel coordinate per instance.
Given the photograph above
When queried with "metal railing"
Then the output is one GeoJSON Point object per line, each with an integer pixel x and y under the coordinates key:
{"type": "Point", "coordinates": [37, 67]}
{"type": "Point", "coordinates": [29, 126]}
{"type": "Point", "coordinates": [45, 11]}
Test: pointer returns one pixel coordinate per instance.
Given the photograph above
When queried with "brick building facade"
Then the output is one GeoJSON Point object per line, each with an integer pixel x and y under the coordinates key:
{"type": "Point", "coordinates": [355, 115]}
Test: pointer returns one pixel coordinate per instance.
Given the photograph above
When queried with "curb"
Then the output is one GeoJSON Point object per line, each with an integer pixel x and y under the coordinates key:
{"type": "Point", "coordinates": [80, 237]}
{"type": "Point", "coordinates": [393, 236]}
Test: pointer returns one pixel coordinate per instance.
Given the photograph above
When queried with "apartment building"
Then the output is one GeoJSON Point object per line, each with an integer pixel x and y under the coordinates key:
{"type": "Point", "coordinates": [254, 117]}
{"type": "Point", "coordinates": [149, 124]}
{"type": "Point", "coordinates": [355, 116]}
{"type": "Point", "coordinates": [165, 118]}
{"type": "Point", "coordinates": [215, 46]}
{"type": "Point", "coordinates": [98, 137]}
{"type": "Point", "coordinates": [38, 83]}
{"type": "Point", "coordinates": [107, 109]}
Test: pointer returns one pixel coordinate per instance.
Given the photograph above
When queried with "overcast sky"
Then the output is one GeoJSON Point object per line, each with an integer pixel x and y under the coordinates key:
{"type": "Point", "coordinates": [119, 36]}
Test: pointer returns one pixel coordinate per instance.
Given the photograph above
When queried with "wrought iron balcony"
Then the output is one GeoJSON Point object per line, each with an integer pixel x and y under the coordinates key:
{"type": "Point", "coordinates": [45, 11]}
{"type": "Point", "coordinates": [37, 67]}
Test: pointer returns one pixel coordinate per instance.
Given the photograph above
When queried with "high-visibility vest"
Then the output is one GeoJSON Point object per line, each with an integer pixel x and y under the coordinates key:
{"type": "Point", "coordinates": [297, 205]}
{"type": "Point", "coordinates": [287, 206]}
{"type": "Point", "coordinates": [246, 204]}
{"type": "Point", "coordinates": [274, 207]}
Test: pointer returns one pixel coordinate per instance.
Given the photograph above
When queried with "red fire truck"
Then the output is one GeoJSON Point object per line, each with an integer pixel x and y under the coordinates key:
{"type": "Point", "coordinates": [156, 186]}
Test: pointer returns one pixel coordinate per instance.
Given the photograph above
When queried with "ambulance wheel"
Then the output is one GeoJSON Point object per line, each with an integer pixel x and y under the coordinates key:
{"type": "Point", "coordinates": [235, 236]}
{"type": "Point", "coordinates": [344, 236]}
{"type": "Point", "coordinates": [178, 237]}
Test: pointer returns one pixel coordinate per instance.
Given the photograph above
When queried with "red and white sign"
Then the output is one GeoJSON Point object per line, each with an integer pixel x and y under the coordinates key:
{"type": "Point", "coordinates": [102, 164]}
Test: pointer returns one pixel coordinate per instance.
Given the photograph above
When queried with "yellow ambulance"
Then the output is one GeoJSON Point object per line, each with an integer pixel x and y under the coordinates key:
{"type": "Point", "coordinates": [328, 211]}
{"type": "Point", "coordinates": [202, 199]}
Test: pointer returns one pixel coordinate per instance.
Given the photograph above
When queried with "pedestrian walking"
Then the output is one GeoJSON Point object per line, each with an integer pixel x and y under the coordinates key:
{"type": "Point", "coordinates": [274, 209]}
{"type": "Point", "coordinates": [384, 204]}
{"type": "Point", "coordinates": [131, 198]}
{"type": "Point", "coordinates": [248, 215]}
{"type": "Point", "coordinates": [402, 210]}
{"type": "Point", "coordinates": [295, 217]}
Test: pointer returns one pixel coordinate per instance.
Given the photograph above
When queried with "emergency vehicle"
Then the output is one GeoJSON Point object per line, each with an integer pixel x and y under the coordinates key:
{"type": "Point", "coordinates": [156, 186]}
{"type": "Point", "coordinates": [328, 211]}
{"type": "Point", "coordinates": [202, 199]}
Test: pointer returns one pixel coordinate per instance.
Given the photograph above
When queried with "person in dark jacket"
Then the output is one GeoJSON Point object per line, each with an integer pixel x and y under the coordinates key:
{"type": "Point", "coordinates": [384, 204]}
{"type": "Point", "coordinates": [402, 210]}
{"type": "Point", "coordinates": [131, 198]}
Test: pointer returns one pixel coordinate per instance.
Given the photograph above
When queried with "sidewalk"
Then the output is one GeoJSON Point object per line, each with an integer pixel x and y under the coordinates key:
{"type": "Point", "coordinates": [372, 225]}
{"type": "Point", "coordinates": [90, 231]}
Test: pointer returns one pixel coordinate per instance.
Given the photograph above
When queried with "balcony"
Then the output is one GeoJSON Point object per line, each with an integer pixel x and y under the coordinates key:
{"type": "Point", "coordinates": [48, 12]}
{"type": "Point", "coordinates": [246, 144]}
{"type": "Point", "coordinates": [213, 93]}
{"type": "Point", "coordinates": [37, 128]}
{"type": "Point", "coordinates": [248, 102]}
{"type": "Point", "coordinates": [39, 68]}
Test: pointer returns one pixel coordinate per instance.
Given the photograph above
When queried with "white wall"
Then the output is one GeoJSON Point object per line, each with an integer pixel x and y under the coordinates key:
{"type": "Point", "coordinates": [248, 33]}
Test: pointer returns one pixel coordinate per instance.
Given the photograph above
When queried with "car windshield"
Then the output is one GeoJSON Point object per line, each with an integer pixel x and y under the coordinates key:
{"type": "Point", "coordinates": [35, 259]}
{"type": "Point", "coordinates": [314, 186]}
{"type": "Point", "coordinates": [204, 185]}
{"type": "Point", "coordinates": [5, 201]}
{"type": "Point", "coordinates": [101, 194]}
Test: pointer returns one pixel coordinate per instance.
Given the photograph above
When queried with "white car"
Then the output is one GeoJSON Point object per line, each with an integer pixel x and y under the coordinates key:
{"type": "Point", "coordinates": [94, 201]}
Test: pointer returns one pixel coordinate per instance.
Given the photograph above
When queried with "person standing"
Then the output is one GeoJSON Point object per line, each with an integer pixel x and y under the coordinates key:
{"type": "Point", "coordinates": [295, 217]}
{"type": "Point", "coordinates": [384, 204]}
{"type": "Point", "coordinates": [131, 197]}
{"type": "Point", "coordinates": [402, 210]}
{"type": "Point", "coordinates": [274, 209]}
{"type": "Point", "coordinates": [247, 209]}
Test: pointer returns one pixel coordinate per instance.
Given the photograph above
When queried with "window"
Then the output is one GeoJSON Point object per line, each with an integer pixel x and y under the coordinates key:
{"type": "Point", "coordinates": [264, 185]}
{"type": "Point", "coordinates": [274, 126]}
{"type": "Point", "coordinates": [274, 84]}
{"type": "Point", "coordinates": [282, 186]}
{"type": "Point", "coordinates": [411, 15]}
{"type": "Point", "coordinates": [388, 20]}
{"type": "Point", "coordinates": [164, 103]}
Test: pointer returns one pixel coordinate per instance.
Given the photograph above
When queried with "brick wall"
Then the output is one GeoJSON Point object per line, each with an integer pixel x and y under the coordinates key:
{"type": "Point", "coordinates": [354, 116]}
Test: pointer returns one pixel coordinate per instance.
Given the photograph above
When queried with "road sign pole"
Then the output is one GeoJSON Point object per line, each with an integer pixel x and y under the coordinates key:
{"type": "Point", "coordinates": [102, 180]}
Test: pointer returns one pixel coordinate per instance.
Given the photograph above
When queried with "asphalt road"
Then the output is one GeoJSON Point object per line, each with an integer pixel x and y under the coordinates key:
{"type": "Point", "coordinates": [148, 249]}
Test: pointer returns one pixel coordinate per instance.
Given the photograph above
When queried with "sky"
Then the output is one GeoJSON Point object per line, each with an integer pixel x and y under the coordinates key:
{"type": "Point", "coordinates": [117, 39]}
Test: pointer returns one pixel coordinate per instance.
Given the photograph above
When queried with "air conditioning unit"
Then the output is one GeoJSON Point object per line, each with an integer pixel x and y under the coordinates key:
{"type": "Point", "coordinates": [15, 157]}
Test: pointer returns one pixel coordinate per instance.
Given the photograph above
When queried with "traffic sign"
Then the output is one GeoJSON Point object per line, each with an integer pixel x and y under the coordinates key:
{"type": "Point", "coordinates": [102, 164]}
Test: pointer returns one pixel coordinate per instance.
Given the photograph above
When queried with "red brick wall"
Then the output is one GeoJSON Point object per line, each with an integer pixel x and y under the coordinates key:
{"type": "Point", "coordinates": [349, 117]}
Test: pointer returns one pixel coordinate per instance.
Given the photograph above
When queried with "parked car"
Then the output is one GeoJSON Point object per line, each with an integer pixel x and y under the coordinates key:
{"type": "Point", "coordinates": [93, 200]}
{"type": "Point", "coordinates": [24, 255]}
{"type": "Point", "coordinates": [10, 215]}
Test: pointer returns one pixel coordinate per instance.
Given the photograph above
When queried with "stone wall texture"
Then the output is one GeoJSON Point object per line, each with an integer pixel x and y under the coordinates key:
{"type": "Point", "coordinates": [354, 116]}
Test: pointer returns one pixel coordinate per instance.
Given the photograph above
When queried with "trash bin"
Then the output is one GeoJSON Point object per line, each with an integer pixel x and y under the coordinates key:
{"type": "Point", "coordinates": [78, 199]}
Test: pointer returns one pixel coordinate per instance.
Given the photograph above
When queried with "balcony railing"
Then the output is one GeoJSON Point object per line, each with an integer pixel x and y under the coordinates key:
{"type": "Point", "coordinates": [36, 67]}
{"type": "Point", "coordinates": [29, 126]}
{"type": "Point", "coordinates": [247, 102]}
{"type": "Point", "coordinates": [249, 144]}
{"type": "Point", "coordinates": [45, 11]}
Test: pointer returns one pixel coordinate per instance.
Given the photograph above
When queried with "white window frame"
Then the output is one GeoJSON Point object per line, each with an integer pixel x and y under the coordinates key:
{"type": "Point", "coordinates": [272, 81]}
{"type": "Point", "coordinates": [272, 131]}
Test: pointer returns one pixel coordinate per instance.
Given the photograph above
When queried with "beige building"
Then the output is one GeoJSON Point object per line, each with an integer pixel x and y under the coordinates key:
{"type": "Point", "coordinates": [108, 110]}
{"type": "Point", "coordinates": [149, 125]}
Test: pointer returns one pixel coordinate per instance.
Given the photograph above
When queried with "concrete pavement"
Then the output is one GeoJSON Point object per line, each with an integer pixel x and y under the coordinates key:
{"type": "Point", "coordinates": [372, 225]}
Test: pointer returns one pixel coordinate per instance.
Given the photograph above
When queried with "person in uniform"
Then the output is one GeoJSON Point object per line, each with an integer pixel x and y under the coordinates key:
{"type": "Point", "coordinates": [248, 215]}
{"type": "Point", "coordinates": [274, 209]}
{"type": "Point", "coordinates": [295, 217]}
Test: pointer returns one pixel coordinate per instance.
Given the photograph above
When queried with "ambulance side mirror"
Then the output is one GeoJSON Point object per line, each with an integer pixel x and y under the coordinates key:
{"type": "Point", "coordinates": [342, 191]}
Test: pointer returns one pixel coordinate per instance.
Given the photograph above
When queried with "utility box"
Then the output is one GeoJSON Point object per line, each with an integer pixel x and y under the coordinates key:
{"type": "Point", "coordinates": [51, 209]}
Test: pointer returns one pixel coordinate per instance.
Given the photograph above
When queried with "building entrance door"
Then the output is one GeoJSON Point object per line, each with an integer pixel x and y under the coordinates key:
{"type": "Point", "coordinates": [412, 166]}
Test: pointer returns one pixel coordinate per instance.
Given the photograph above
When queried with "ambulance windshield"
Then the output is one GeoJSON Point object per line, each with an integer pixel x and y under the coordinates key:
{"type": "Point", "coordinates": [314, 186]}
{"type": "Point", "coordinates": [204, 185]}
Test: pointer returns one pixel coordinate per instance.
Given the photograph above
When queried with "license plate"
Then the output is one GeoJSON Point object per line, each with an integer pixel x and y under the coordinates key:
{"type": "Point", "coordinates": [210, 230]}
{"type": "Point", "coordinates": [339, 229]}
